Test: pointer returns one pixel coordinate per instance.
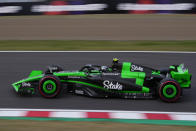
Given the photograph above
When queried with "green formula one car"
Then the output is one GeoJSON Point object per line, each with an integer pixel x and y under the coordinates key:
{"type": "Point", "coordinates": [123, 80]}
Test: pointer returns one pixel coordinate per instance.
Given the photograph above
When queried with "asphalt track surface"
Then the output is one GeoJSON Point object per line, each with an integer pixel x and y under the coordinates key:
{"type": "Point", "coordinates": [99, 27]}
{"type": "Point", "coordinates": [15, 66]}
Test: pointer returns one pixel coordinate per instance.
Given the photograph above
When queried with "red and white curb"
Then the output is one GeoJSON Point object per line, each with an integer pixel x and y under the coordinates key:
{"type": "Point", "coordinates": [105, 114]}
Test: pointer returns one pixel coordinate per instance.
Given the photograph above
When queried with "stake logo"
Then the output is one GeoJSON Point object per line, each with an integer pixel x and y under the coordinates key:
{"type": "Point", "coordinates": [25, 84]}
{"type": "Point", "coordinates": [109, 85]}
{"type": "Point", "coordinates": [136, 68]}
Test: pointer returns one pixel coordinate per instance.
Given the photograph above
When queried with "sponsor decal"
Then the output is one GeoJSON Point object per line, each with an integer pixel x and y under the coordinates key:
{"type": "Point", "coordinates": [111, 74]}
{"type": "Point", "coordinates": [75, 71]}
{"type": "Point", "coordinates": [136, 68]}
{"type": "Point", "coordinates": [131, 6]}
{"type": "Point", "coordinates": [57, 3]}
{"type": "Point", "coordinates": [87, 7]}
{"type": "Point", "coordinates": [53, 68]}
{"type": "Point", "coordinates": [19, 1]}
{"type": "Point", "coordinates": [79, 92]}
{"type": "Point", "coordinates": [25, 84]}
{"type": "Point", "coordinates": [10, 9]}
{"type": "Point", "coordinates": [73, 77]}
{"type": "Point", "coordinates": [110, 85]}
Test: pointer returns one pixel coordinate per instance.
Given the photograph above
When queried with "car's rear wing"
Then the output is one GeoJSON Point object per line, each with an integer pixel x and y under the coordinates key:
{"type": "Point", "coordinates": [181, 75]}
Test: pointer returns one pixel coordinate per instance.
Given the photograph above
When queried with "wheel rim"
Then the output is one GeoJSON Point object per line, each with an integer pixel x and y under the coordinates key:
{"type": "Point", "coordinates": [49, 87]}
{"type": "Point", "coordinates": [169, 91]}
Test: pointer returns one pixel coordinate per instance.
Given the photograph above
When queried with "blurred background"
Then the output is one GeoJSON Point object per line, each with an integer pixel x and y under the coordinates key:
{"type": "Point", "coordinates": [73, 7]}
{"type": "Point", "coordinates": [97, 20]}
{"type": "Point", "coordinates": [109, 25]}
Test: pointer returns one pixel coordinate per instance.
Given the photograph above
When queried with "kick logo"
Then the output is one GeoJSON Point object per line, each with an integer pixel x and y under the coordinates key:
{"type": "Point", "coordinates": [109, 85]}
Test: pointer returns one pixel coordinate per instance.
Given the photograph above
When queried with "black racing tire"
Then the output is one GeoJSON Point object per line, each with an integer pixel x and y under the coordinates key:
{"type": "Point", "coordinates": [169, 90]}
{"type": "Point", "coordinates": [50, 86]}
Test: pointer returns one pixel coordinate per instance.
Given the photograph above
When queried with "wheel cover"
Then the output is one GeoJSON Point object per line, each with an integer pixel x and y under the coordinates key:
{"type": "Point", "coordinates": [49, 87]}
{"type": "Point", "coordinates": [172, 88]}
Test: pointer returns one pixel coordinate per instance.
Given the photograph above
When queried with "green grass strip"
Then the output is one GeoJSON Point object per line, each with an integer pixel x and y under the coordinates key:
{"type": "Point", "coordinates": [95, 45]}
{"type": "Point", "coordinates": [135, 121]}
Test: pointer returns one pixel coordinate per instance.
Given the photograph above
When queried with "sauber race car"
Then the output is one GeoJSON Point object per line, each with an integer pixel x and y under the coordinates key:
{"type": "Point", "coordinates": [123, 80]}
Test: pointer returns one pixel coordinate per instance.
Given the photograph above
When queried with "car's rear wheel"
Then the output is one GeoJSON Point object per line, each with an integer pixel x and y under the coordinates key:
{"type": "Point", "coordinates": [169, 90]}
{"type": "Point", "coordinates": [50, 86]}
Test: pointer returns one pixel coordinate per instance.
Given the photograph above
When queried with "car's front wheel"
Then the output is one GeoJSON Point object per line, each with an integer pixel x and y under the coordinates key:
{"type": "Point", "coordinates": [50, 86]}
{"type": "Point", "coordinates": [169, 90]}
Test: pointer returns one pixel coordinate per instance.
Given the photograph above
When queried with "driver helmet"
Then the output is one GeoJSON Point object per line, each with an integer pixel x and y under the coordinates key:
{"type": "Point", "coordinates": [115, 60]}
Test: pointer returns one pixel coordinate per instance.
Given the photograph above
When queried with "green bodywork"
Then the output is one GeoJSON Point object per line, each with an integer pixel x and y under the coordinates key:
{"type": "Point", "coordinates": [139, 76]}
{"type": "Point", "coordinates": [77, 73]}
{"type": "Point", "coordinates": [34, 76]}
{"type": "Point", "coordinates": [144, 89]}
{"type": "Point", "coordinates": [35, 73]}
{"type": "Point", "coordinates": [181, 75]}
